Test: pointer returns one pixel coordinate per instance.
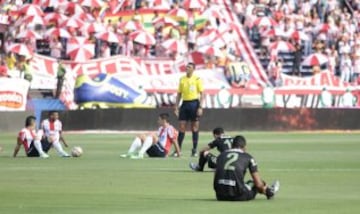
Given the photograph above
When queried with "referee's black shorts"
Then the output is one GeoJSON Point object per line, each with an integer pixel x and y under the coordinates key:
{"type": "Point", "coordinates": [188, 110]}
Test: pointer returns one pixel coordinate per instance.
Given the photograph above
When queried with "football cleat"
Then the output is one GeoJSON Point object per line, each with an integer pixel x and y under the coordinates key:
{"type": "Point", "coordinates": [136, 156]}
{"type": "Point", "coordinates": [194, 153]}
{"type": "Point", "coordinates": [44, 155]}
{"type": "Point", "coordinates": [194, 166]}
{"type": "Point", "coordinates": [125, 155]}
{"type": "Point", "coordinates": [272, 190]}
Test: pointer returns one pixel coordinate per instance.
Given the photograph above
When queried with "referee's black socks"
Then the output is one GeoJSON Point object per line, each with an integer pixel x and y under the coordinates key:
{"type": "Point", "coordinates": [195, 139]}
{"type": "Point", "coordinates": [181, 138]}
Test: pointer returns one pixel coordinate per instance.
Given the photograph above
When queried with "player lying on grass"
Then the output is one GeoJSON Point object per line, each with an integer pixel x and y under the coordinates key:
{"type": "Point", "coordinates": [155, 145]}
{"type": "Point", "coordinates": [52, 128]}
{"type": "Point", "coordinates": [231, 167]}
{"type": "Point", "coordinates": [31, 140]}
{"type": "Point", "coordinates": [221, 142]}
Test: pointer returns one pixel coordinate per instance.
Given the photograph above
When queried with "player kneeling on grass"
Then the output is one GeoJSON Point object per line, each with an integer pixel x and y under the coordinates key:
{"type": "Point", "coordinates": [31, 140]}
{"type": "Point", "coordinates": [155, 145]}
{"type": "Point", "coordinates": [230, 172]}
{"type": "Point", "coordinates": [221, 142]}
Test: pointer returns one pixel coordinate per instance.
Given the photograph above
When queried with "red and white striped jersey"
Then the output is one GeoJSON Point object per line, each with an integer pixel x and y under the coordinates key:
{"type": "Point", "coordinates": [52, 128]}
{"type": "Point", "coordinates": [166, 136]}
{"type": "Point", "coordinates": [26, 137]}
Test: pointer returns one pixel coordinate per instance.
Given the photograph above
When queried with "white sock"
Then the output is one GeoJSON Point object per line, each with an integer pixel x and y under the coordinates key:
{"type": "Point", "coordinates": [147, 144]}
{"type": "Point", "coordinates": [136, 144]}
{"type": "Point", "coordinates": [57, 146]}
{"type": "Point", "coordinates": [38, 147]}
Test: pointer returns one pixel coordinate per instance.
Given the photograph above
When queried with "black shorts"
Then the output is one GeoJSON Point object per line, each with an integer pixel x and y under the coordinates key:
{"type": "Point", "coordinates": [156, 150]}
{"type": "Point", "coordinates": [33, 152]}
{"type": "Point", "coordinates": [247, 194]}
{"type": "Point", "coordinates": [211, 161]}
{"type": "Point", "coordinates": [188, 110]}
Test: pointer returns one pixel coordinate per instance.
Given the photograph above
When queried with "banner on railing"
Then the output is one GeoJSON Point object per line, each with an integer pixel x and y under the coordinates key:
{"type": "Point", "coordinates": [160, 78]}
{"type": "Point", "coordinates": [13, 94]}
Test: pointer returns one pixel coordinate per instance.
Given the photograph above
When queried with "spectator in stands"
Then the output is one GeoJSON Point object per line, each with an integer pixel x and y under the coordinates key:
{"type": "Point", "coordinates": [191, 39]}
{"type": "Point", "coordinates": [27, 70]}
{"type": "Point", "coordinates": [268, 97]}
{"type": "Point", "coordinates": [356, 61]}
{"type": "Point", "coordinates": [347, 100]}
{"type": "Point", "coordinates": [326, 98]}
{"type": "Point", "coordinates": [105, 50]}
{"type": "Point", "coordinates": [10, 60]}
{"type": "Point", "coordinates": [56, 48]}
{"type": "Point", "coordinates": [3, 68]}
{"type": "Point", "coordinates": [61, 72]}
{"type": "Point", "coordinates": [128, 46]}
{"type": "Point", "coordinates": [333, 59]}
{"type": "Point", "coordinates": [346, 68]}
{"type": "Point", "coordinates": [297, 59]}
{"type": "Point", "coordinates": [274, 72]}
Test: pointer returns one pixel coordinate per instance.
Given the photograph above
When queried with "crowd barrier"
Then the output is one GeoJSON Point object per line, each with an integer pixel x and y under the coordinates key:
{"type": "Point", "coordinates": [249, 119]}
{"type": "Point", "coordinates": [13, 121]}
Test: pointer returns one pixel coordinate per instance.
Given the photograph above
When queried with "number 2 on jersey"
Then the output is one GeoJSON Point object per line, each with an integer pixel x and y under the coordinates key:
{"type": "Point", "coordinates": [232, 157]}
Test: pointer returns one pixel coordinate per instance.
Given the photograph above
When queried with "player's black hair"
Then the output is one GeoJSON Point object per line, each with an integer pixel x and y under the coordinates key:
{"type": "Point", "coordinates": [191, 64]}
{"type": "Point", "coordinates": [52, 112]}
{"type": "Point", "coordinates": [238, 142]}
{"type": "Point", "coordinates": [29, 120]}
{"type": "Point", "coordinates": [164, 116]}
{"type": "Point", "coordinates": [218, 131]}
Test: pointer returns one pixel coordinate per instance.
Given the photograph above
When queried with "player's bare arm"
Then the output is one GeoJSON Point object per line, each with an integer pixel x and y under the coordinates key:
{"type": "Point", "coordinates": [17, 147]}
{"type": "Point", "coordinates": [258, 182]}
{"type": "Point", "coordinates": [177, 147]}
{"type": "Point", "coordinates": [62, 139]}
{"type": "Point", "coordinates": [205, 149]}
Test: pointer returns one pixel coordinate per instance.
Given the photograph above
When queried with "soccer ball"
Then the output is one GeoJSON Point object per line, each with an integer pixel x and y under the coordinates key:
{"type": "Point", "coordinates": [76, 151]}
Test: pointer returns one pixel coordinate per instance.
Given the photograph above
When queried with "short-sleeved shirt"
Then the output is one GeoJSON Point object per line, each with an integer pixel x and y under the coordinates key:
{"type": "Point", "coordinates": [167, 135]}
{"type": "Point", "coordinates": [26, 137]}
{"type": "Point", "coordinates": [222, 143]}
{"type": "Point", "coordinates": [190, 88]}
{"type": "Point", "coordinates": [52, 128]}
{"type": "Point", "coordinates": [230, 172]}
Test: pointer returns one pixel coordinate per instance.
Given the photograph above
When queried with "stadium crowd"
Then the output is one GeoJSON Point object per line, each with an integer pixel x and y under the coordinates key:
{"type": "Point", "coordinates": [290, 36]}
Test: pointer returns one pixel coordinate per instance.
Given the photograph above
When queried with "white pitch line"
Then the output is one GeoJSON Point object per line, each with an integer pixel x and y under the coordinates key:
{"type": "Point", "coordinates": [314, 170]}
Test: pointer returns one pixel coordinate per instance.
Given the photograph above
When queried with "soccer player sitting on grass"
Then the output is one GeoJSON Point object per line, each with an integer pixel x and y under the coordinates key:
{"type": "Point", "coordinates": [231, 167]}
{"type": "Point", "coordinates": [52, 128]}
{"type": "Point", "coordinates": [221, 142]}
{"type": "Point", "coordinates": [31, 140]}
{"type": "Point", "coordinates": [155, 145]}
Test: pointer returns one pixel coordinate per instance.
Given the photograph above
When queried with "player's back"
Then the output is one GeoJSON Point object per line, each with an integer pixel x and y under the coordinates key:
{"type": "Point", "coordinates": [222, 143]}
{"type": "Point", "coordinates": [230, 171]}
{"type": "Point", "coordinates": [26, 136]}
{"type": "Point", "coordinates": [166, 135]}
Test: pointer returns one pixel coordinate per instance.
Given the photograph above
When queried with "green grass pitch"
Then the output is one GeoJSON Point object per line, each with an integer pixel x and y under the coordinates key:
{"type": "Point", "coordinates": [319, 174]}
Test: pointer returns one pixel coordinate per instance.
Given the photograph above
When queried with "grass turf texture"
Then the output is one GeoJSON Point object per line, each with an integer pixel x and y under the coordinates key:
{"type": "Point", "coordinates": [319, 173]}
